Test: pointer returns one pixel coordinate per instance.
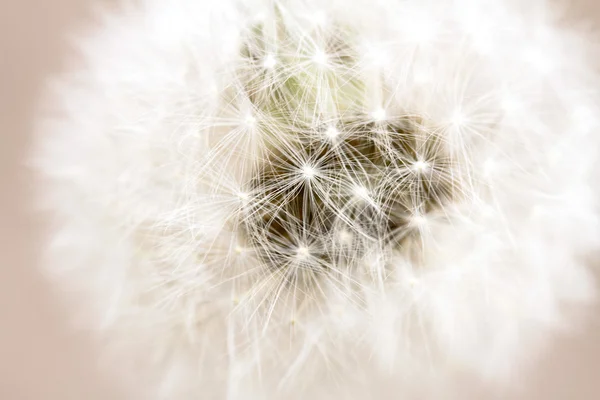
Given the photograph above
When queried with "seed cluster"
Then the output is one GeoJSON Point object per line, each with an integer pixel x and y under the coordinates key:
{"type": "Point", "coordinates": [334, 182]}
{"type": "Point", "coordinates": [333, 198]}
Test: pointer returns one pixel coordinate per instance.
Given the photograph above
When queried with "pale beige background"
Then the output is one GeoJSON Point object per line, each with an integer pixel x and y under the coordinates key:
{"type": "Point", "coordinates": [40, 358]}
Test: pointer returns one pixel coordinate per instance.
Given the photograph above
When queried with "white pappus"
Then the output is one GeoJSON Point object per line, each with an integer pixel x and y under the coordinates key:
{"type": "Point", "coordinates": [271, 199]}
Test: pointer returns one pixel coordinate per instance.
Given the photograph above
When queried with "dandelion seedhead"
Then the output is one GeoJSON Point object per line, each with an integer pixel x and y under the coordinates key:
{"type": "Point", "coordinates": [287, 198]}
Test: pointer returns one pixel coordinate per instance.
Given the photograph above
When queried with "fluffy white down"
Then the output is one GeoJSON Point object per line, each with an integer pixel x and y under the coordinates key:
{"type": "Point", "coordinates": [141, 158]}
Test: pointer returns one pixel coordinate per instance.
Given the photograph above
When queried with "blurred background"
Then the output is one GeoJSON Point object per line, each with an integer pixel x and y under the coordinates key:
{"type": "Point", "coordinates": [40, 357]}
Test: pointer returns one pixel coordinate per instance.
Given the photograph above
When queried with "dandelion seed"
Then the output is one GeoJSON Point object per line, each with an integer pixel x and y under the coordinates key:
{"type": "Point", "coordinates": [308, 172]}
{"type": "Point", "coordinates": [418, 220]}
{"type": "Point", "coordinates": [240, 250]}
{"type": "Point", "coordinates": [379, 115]}
{"type": "Point", "coordinates": [303, 252]}
{"type": "Point", "coordinates": [270, 61]}
{"type": "Point", "coordinates": [332, 133]}
{"type": "Point", "coordinates": [420, 166]}
{"type": "Point", "coordinates": [361, 192]}
{"type": "Point", "coordinates": [250, 121]}
{"type": "Point", "coordinates": [320, 58]}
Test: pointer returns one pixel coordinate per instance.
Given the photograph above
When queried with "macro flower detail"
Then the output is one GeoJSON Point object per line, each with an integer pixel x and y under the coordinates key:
{"type": "Point", "coordinates": [290, 198]}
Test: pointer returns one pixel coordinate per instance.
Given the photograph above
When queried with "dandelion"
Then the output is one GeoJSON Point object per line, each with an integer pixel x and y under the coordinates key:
{"type": "Point", "coordinates": [325, 197]}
